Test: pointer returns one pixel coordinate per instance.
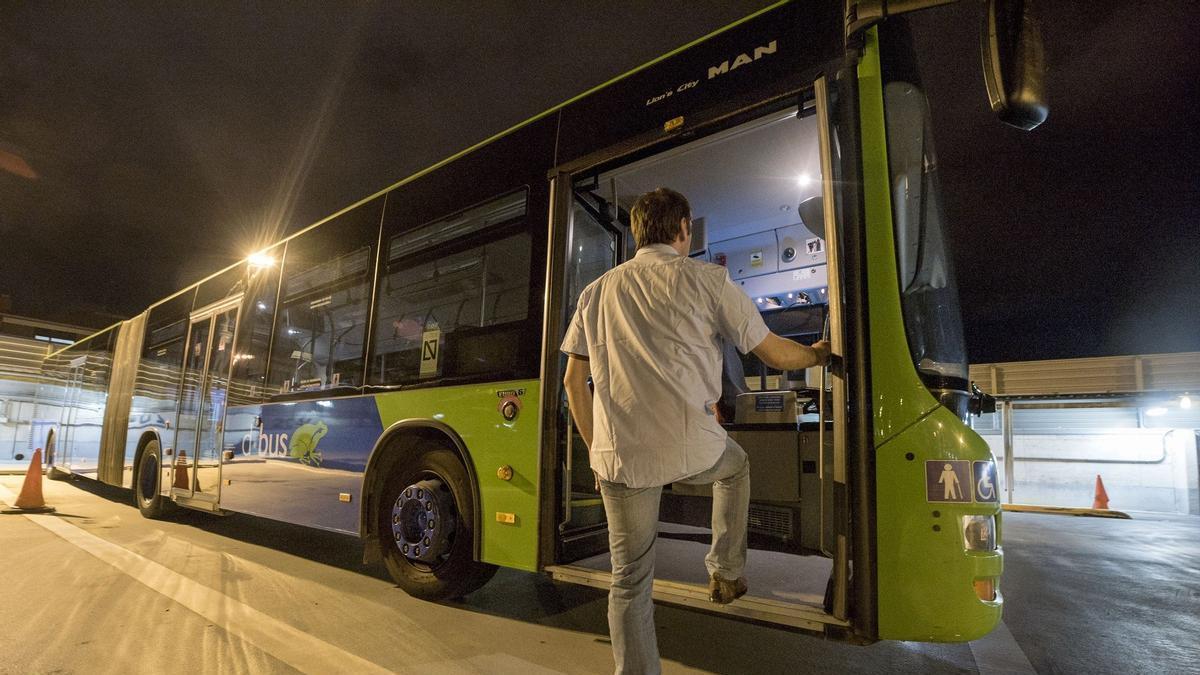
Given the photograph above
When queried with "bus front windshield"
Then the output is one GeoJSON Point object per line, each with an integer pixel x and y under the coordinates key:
{"type": "Point", "coordinates": [928, 293]}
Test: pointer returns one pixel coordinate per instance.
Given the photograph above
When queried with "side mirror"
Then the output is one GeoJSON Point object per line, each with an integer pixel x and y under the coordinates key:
{"type": "Point", "coordinates": [1014, 63]}
{"type": "Point", "coordinates": [980, 402]}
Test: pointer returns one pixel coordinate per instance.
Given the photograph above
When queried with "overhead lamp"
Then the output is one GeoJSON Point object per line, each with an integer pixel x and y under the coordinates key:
{"type": "Point", "coordinates": [261, 259]}
{"type": "Point", "coordinates": [804, 180]}
{"type": "Point", "coordinates": [1185, 402]}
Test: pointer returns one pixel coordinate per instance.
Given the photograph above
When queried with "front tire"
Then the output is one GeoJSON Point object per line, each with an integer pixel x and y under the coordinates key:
{"type": "Point", "coordinates": [150, 503]}
{"type": "Point", "coordinates": [426, 526]}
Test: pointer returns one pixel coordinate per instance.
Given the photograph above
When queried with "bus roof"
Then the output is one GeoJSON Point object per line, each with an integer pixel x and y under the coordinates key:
{"type": "Point", "coordinates": [466, 151]}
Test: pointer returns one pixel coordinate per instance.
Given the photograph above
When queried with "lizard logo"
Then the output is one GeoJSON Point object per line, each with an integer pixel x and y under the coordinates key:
{"type": "Point", "coordinates": [303, 445]}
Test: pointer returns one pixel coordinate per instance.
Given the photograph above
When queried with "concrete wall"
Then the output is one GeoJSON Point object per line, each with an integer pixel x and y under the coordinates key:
{"type": "Point", "coordinates": [16, 416]}
{"type": "Point", "coordinates": [1142, 470]}
{"type": "Point", "coordinates": [20, 366]}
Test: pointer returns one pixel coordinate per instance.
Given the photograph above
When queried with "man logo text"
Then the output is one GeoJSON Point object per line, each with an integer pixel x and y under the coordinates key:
{"type": "Point", "coordinates": [741, 60]}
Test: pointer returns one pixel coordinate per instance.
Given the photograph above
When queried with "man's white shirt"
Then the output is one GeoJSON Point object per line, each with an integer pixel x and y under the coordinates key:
{"type": "Point", "coordinates": [651, 329]}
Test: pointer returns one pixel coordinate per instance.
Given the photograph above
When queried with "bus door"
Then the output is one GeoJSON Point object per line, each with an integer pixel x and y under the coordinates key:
{"type": "Point", "coordinates": [60, 454]}
{"type": "Point", "coordinates": [196, 467]}
{"type": "Point", "coordinates": [781, 246]}
{"type": "Point", "coordinates": [596, 241]}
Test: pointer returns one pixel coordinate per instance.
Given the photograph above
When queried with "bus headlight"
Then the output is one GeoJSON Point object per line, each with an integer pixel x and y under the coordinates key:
{"type": "Point", "coordinates": [979, 533]}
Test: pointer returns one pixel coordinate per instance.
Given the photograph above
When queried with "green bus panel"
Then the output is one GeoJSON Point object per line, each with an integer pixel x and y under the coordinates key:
{"type": "Point", "coordinates": [472, 411]}
{"type": "Point", "coordinates": [925, 575]}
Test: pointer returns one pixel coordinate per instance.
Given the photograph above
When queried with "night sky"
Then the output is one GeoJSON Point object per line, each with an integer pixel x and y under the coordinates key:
{"type": "Point", "coordinates": [146, 145]}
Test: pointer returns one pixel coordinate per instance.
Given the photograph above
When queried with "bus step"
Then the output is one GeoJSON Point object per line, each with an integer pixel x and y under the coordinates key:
{"type": "Point", "coordinates": [200, 504]}
{"type": "Point", "coordinates": [804, 616]}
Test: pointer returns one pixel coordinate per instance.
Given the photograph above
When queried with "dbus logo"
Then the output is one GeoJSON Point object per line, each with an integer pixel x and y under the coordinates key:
{"type": "Point", "coordinates": [267, 445]}
{"type": "Point", "coordinates": [302, 445]}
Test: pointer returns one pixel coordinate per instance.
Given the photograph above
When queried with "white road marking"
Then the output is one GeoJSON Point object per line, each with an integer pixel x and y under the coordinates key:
{"type": "Point", "coordinates": [998, 653]}
{"type": "Point", "coordinates": [288, 644]}
{"type": "Point", "coordinates": [294, 647]}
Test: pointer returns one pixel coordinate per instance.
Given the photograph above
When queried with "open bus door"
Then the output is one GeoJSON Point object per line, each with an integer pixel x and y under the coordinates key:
{"type": "Point", "coordinates": [59, 453]}
{"type": "Point", "coordinates": [195, 469]}
{"type": "Point", "coordinates": [588, 226]}
{"type": "Point", "coordinates": [595, 242]}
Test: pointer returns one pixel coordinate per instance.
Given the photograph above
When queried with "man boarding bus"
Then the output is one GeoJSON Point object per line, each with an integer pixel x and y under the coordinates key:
{"type": "Point", "coordinates": [648, 333]}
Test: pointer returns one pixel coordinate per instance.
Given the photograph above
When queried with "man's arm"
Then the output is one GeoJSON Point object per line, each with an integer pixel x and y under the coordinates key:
{"type": "Point", "coordinates": [783, 354]}
{"type": "Point", "coordinates": [579, 396]}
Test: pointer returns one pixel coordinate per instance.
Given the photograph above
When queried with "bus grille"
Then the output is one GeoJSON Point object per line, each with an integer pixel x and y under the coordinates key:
{"type": "Point", "coordinates": [771, 520]}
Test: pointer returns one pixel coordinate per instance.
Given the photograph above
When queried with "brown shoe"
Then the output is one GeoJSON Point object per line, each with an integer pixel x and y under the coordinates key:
{"type": "Point", "coordinates": [724, 591]}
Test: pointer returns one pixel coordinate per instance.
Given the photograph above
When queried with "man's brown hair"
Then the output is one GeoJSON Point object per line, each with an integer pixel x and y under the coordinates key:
{"type": "Point", "coordinates": [656, 216]}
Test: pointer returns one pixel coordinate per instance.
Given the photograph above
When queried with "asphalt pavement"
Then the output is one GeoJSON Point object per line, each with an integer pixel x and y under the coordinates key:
{"type": "Point", "coordinates": [95, 588]}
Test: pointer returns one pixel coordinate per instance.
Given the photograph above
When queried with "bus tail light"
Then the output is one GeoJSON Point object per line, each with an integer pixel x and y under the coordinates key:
{"type": "Point", "coordinates": [979, 533]}
{"type": "Point", "coordinates": [986, 589]}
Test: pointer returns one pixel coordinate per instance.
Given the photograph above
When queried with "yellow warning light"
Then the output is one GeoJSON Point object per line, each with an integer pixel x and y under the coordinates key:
{"type": "Point", "coordinates": [673, 124]}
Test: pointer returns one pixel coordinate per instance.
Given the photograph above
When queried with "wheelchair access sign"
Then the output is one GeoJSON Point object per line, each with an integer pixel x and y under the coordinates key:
{"type": "Point", "coordinates": [985, 482]}
{"type": "Point", "coordinates": [960, 481]}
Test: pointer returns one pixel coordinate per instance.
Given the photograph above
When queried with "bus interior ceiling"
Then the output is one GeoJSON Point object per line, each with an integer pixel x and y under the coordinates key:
{"type": "Point", "coordinates": [747, 180]}
{"type": "Point", "coordinates": [745, 186]}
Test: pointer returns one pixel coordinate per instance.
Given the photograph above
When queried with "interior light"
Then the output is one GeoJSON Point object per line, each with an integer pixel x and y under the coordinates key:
{"type": "Point", "coordinates": [262, 305]}
{"type": "Point", "coordinates": [760, 301]}
{"type": "Point", "coordinates": [261, 259]}
{"type": "Point", "coordinates": [803, 180]}
{"type": "Point", "coordinates": [1185, 402]}
{"type": "Point", "coordinates": [1156, 411]}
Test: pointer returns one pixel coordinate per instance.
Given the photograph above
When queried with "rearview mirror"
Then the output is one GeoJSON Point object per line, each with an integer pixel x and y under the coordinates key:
{"type": "Point", "coordinates": [1014, 64]}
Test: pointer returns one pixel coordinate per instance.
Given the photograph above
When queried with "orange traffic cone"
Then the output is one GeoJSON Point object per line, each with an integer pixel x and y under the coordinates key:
{"type": "Point", "coordinates": [181, 472]}
{"type": "Point", "coordinates": [1101, 500]}
{"type": "Point", "coordinates": [30, 500]}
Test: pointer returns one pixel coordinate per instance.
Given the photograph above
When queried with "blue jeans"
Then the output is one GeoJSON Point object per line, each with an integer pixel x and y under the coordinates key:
{"type": "Point", "coordinates": [632, 530]}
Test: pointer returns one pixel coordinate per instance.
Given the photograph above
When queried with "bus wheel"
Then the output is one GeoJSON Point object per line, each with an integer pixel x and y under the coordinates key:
{"type": "Point", "coordinates": [145, 483]}
{"type": "Point", "coordinates": [426, 527]}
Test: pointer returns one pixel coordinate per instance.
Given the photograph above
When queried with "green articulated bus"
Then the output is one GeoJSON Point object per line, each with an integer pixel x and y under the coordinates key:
{"type": "Point", "coordinates": [392, 372]}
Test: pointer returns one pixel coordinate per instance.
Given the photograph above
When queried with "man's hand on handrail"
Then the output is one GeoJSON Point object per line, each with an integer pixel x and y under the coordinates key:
{"type": "Point", "coordinates": [783, 354]}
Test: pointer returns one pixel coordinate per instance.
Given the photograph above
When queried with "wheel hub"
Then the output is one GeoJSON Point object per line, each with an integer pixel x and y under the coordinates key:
{"type": "Point", "coordinates": [423, 521]}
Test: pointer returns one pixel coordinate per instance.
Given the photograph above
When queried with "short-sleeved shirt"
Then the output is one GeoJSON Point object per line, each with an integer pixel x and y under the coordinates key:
{"type": "Point", "coordinates": [652, 328]}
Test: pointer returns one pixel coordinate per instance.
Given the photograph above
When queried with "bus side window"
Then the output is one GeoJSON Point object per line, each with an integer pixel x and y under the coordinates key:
{"type": "Point", "coordinates": [320, 329]}
{"type": "Point", "coordinates": [445, 290]}
{"type": "Point", "coordinates": [248, 382]}
{"type": "Point", "coordinates": [156, 386]}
